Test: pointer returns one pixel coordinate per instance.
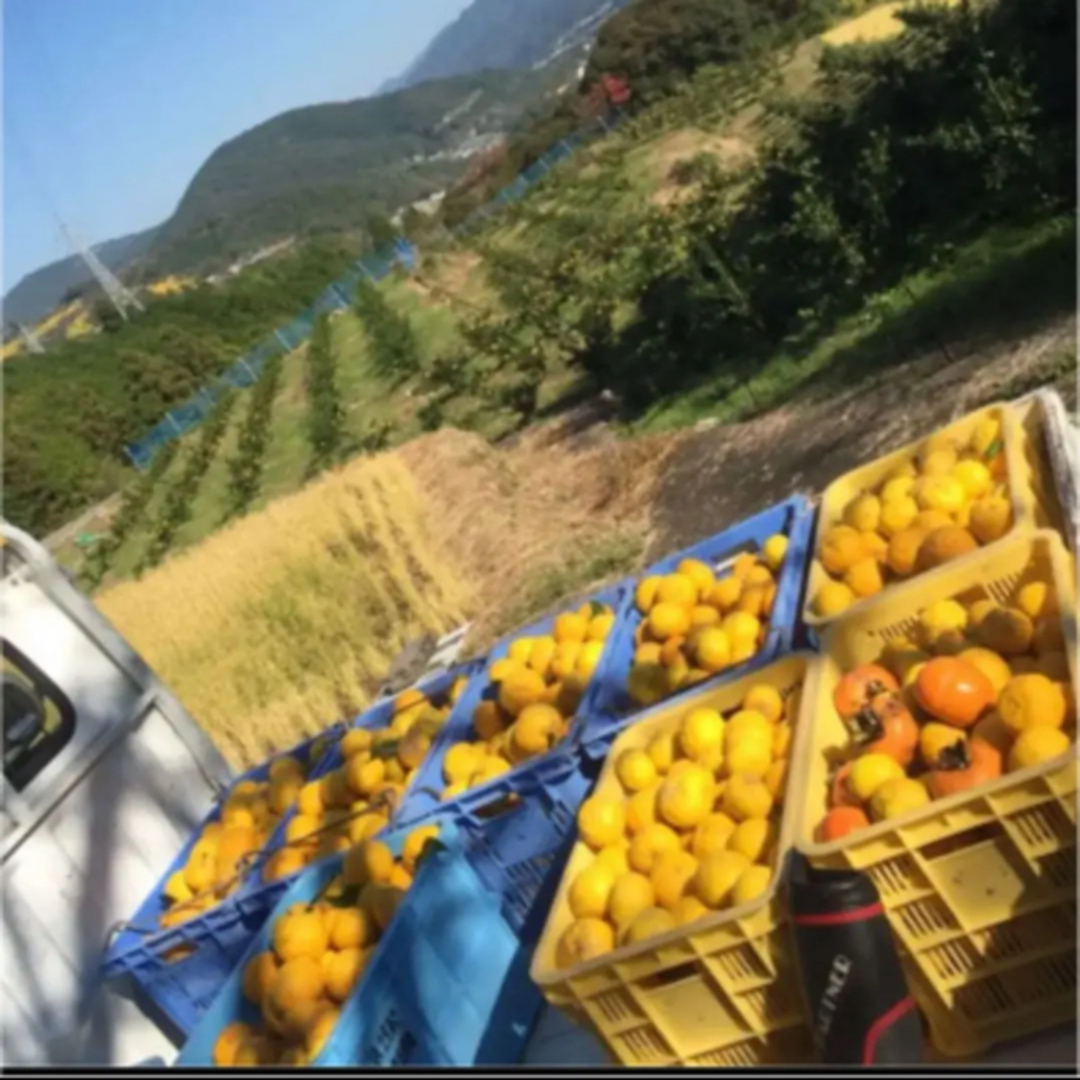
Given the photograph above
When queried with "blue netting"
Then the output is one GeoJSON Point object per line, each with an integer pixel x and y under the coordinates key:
{"type": "Point", "coordinates": [338, 296]}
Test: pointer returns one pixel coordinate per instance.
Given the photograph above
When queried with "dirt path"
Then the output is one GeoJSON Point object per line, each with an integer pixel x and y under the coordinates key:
{"type": "Point", "coordinates": [720, 475]}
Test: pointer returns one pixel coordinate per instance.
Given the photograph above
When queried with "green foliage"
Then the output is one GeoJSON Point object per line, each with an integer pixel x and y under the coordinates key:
{"type": "Point", "coordinates": [133, 502]}
{"type": "Point", "coordinates": [324, 402]}
{"type": "Point", "coordinates": [176, 509]}
{"type": "Point", "coordinates": [905, 147]}
{"type": "Point", "coordinates": [245, 466]}
{"type": "Point", "coordinates": [324, 167]}
{"type": "Point", "coordinates": [392, 343]}
{"type": "Point", "coordinates": [68, 415]}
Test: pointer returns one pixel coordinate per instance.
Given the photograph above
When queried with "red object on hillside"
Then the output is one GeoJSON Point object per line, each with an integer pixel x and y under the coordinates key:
{"type": "Point", "coordinates": [616, 89]}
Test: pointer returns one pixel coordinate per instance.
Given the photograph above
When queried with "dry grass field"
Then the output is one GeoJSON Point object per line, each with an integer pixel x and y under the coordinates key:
{"type": "Point", "coordinates": [289, 619]}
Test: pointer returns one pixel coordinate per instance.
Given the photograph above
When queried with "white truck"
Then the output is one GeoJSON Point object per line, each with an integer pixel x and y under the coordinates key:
{"type": "Point", "coordinates": [105, 775]}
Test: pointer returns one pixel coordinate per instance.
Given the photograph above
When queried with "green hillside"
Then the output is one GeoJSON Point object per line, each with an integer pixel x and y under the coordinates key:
{"type": "Point", "coordinates": [694, 281]}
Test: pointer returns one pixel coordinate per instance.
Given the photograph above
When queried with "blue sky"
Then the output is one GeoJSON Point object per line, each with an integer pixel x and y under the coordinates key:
{"type": "Point", "coordinates": [110, 106]}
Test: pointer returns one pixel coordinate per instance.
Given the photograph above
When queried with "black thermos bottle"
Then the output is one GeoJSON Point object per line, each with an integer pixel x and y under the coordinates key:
{"type": "Point", "coordinates": [860, 1010]}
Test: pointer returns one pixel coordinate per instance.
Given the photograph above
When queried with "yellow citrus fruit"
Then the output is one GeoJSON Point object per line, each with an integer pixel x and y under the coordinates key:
{"type": "Point", "coordinates": [231, 1039]}
{"type": "Point", "coordinates": [584, 940]}
{"type": "Point", "coordinates": [750, 754]}
{"type": "Point", "coordinates": [520, 650]}
{"type": "Point", "coordinates": [863, 513]}
{"type": "Point", "coordinates": [974, 476]}
{"type": "Point", "coordinates": [832, 598]}
{"type": "Point", "coordinates": [870, 771]}
{"type": "Point", "coordinates": [297, 980]}
{"type": "Point", "coordinates": [712, 649]}
{"type": "Point", "coordinates": [299, 933]}
{"type": "Point", "coordinates": [344, 971]}
{"type": "Point", "coordinates": [741, 628]}
{"type": "Point", "coordinates": [781, 743]}
{"type": "Point", "coordinates": [645, 594]}
{"type": "Point", "coordinates": [520, 690]}
{"type": "Point", "coordinates": [631, 894]}
{"type": "Point", "coordinates": [671, 874]}
{"type": "Point", "coordinates": [840, 547]}
{"type": "Point", "coordinates": [415, 843]}
{"type": "Point", "coordinates": [774, 549]}
{"type": "Point", "coordinates": [702, 616]}
{"type": "Point", "coordinates": [648, 924]}
{"type": "Point", "coordinates": [1035, 599]}
{"type": "Point", "coordinates": [941, 618]}
{"type": "Point", "coordinates": [371, 861]}
{"type": "Point", "coordinates": [686, 799]}
{"type": "Point", "coordinates": [677, 589]}
{"type": "Point", "coordinates": [937, 456]}
{"type": "Point", "coordinates": [716, 877]}
{"type": "Point", "coordinates": [571, 626]}
{"type": "Point", "coordinates": [589, 891]}
{"type": "Point", "coordinates": [600, 626]}
{"type": "Point", "coordinates": [601, 821]}
{"type": "Point", "coordinates": [699, 573]}
{"type": "Point", "coordinates": [904, 550]}
{"type": "Point", "coordinates": [753, 838]}
{"type": "Point", "coordinates": [649, 844]}
{"type": "Point", "coordinates": [991, 518]}
{"type": "Point", "coordinates": [897, 515]}
{"type": "Point", "coordinates": [635, 770]}
{"type": "Point", "coordinates": [701, 736]}
{"type": "Point", "coordinates": [725, 594]}
{"type": "Point", "coordinates": [939, 492]}
{"type": "Point", "coordinates": [765, 700]}
{"type": "Point", "coordinates": [507, 666]}
{"type": "Point", "coordinates": [588, 658]}
{"type": "Point", "coordinates": [662, 750]}
{"type": "Point", "coordinates": [1006, 631]}
{"type": "Point", "coordinates": [641, 809]}
{"type": "Point", "coordinates": [668, 620]}
{"type": "Point", "coordinates": [864, 577]}
{"type": "Point", "coordinates": [776, 777]}
{"type": "Point", "coordinates": [746, 797]}
{"type": "Point", "coordinates": [614, 859]}
{"type": "Point", "coordinates": [897, 488]}
{"type": "Point", "coordinates": [750, 885]}
{"type": "Point", "coordinates": [259, 975]}
{"type": "Point", "coordinates": [990, 664]}
{"type": "Point", "coordinates": [352, 928]}
{"type": "Point", "coordinates": [320, 1031]}
{"type": "Point", "coordinates": [1037, 745]}
{"type": "Point", "coordinates": [896, 797]}
{"type": "Point", "coordinates": [687, 910]}
{"type": "Point", "coordinates": [363, 777]}
{"type": "Point", "coordinates": [1032, 701]}
{"type": "Point", "coordinates": [541, 655]}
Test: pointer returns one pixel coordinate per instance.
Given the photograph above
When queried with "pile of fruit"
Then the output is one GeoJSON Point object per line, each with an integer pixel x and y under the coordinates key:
{"type": "Point", "coordinates": [249, 815]}
{"type": "Point", "coordinates": [355, 801]}
{"type": "Point", "coordinates": [694, 624]}
{"type": "Point", "coordinates": [693, 829]}
{"type": "Point", "coordinates": [948, 501]}
{"type": "Point", "coordinates": [534, 693]}
{"type": "Point", "coordinates": [982, 690]}
{"type": "Point", "coordinates": [319, 953]}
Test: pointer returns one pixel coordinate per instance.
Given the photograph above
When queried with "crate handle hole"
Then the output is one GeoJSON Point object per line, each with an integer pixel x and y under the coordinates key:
{"type": "Point", "coordinates": [671, 976]}
{"type": "Point", "coordinates": [949, 845]}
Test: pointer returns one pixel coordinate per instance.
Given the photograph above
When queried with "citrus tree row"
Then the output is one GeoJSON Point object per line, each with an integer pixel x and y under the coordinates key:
{"type": "Point", "coordinates": [176, 510]}
{"type": "Point", "coordinates": [245, 466]}
{"type": "Point", "coordinates": [133, 502]}
{"type": "Point", "coordinates": [324, 402]}
{"type": "Point", "coordinates": [391, 341]}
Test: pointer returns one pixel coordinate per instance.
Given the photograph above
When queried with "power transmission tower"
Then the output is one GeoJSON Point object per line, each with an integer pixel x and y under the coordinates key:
{"type": "Point", "coordinates": [30, 339]}
{"type": "Point", "coordinates": [120, 297]}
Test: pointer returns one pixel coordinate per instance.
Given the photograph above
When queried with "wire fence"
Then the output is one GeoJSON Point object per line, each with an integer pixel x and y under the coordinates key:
{"type": "Point", "coordinates": [339, 295]}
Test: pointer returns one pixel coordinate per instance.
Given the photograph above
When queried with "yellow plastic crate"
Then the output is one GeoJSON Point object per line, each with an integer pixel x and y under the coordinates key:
{"type": "Point", "coordinates": [723, 991]}
{"type": "Point", "coordinates": [1035, 487]}
{"type": "Point", "coordinates": [840, 492]}
{"type": "Point", "coordinates": [980, 888]}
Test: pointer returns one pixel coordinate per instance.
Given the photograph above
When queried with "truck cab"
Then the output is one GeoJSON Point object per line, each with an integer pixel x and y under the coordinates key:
{"type": "Point", "coordinates": [105, 775]}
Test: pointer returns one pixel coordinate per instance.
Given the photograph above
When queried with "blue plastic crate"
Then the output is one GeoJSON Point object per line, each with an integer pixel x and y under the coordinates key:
{"type": "Point", "coordinates": [379, 716]}
{"type": "Point", "coordinates": [448, 983]}
{"type": "Point", "coordinates": [180, 968]}
{"type": "Point", "coordinates": [424, 796]}
{"type": "Point", "coordinates": [613, 707]}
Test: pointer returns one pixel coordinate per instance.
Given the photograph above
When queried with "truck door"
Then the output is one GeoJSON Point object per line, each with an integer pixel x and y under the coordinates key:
{"type": "Point", "coordinates": [104, 776]}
